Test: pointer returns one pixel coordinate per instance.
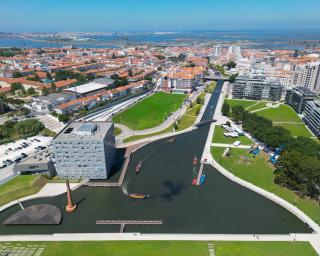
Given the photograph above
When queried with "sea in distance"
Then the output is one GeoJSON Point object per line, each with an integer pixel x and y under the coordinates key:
{"type": "Point", "coordinates": [268, 39]}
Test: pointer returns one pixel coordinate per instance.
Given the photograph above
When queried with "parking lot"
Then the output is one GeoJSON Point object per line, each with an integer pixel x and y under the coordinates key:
{"type": "Point", "coordinates": [15, 152]}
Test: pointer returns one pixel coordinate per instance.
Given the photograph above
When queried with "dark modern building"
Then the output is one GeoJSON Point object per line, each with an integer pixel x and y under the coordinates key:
{"type": "Point", "coordinates": [312, 116]}
{"type": "Point", "coordinates": [298, 97]}
{"type": "Point", "coordinates": [256, 88]}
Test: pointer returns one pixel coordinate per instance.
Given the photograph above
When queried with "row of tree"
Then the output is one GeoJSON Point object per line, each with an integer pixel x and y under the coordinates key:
{"type": "Point", "coordinates": [298, 166]}
{"type": "Point", "coordinates": [12, 130]}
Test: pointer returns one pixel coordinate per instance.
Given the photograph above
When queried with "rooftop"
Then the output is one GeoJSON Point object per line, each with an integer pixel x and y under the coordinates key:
{"type": "Point", "coordinates": [86, 88]}
{"type": "Point", "coordinates": [84, 130]}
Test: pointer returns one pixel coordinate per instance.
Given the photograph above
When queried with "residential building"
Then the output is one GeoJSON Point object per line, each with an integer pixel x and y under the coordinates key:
{"type": "Point", "coordinates": [297, 98]}
{"type": "Point", "coordinates": [46, 104]}
{"type": "Point", "coordinates": [256, 88]}
{"type": "Point", "coordinates": [312, 116]}
{"type": "Point", "coordinates": [85, 150]}
{"type": "Point", "coordinates": [308, 77]}
{"type": "Point", "coordinates": [183, 80]}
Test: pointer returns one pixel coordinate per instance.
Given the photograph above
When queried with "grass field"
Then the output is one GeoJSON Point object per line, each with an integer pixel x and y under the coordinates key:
{"type": "Point", "coordinates": [117, 131]}
{"type": "Point", "coordinates": [296, 129]}
{"type": "Point", "coordinates": [218, 137]}
{"type": "Point", "coordinates": [150, 112]}
{"type": "Point", "coordinates": [244, 103]}
{"type": "Point", "coordinates": [20, 186]}
{"type": "Point", "coordinates": [260, 173]}
{"type": "Point", "coordinates": [139, 137]}
{"type": "Point", "coordinates": [188, 118]}
{"type": "Point", "coordinates": [170, 248]}
{"type": "Point", "coordinates": [282, 114]}
{"type": "Point", "coordinates": [259, 105]}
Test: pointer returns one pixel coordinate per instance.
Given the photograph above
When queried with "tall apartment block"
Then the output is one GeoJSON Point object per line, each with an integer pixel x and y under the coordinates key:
{"type": "Point", "coordinates": [85, 150]}
{"type": "Point", "coordinates": [312, 116]}
{"type": "Point", "coordinates": [256, 88]}
{"type": "Point", "coordinates": [298, 97]}
{"type": "Point", "coordinates": [308, 77]}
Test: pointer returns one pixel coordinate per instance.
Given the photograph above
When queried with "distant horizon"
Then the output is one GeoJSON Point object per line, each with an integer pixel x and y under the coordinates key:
{"type": "Point", "coordinates": [166, 15]}
{"type": "Point", "coordinates": [167, 31]}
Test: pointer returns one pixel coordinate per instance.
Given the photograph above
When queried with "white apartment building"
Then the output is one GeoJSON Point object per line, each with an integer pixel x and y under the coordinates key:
{"type": "Point", "coordinates": [308, 77]}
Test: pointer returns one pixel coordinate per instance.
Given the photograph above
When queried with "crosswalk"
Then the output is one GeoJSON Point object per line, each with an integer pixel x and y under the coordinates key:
{"type": "Point", "coordinates": [211, 250]}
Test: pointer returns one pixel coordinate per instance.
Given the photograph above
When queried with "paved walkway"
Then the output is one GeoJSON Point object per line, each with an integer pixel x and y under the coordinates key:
{"type": "Point", "coordinates": [52, 123]}
{"type": "Point", "coordinates": [222, 145]}
{"type": "Point", "coordinates": [49, 190]}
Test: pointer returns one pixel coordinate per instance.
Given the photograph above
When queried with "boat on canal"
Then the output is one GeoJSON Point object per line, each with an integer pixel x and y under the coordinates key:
{"type": "Point", "coordinates": [138, 196]}
{"type": "Point", "coordinates": [138, 167]}
{"type": "Point", "coordinates": [195, 160]}
{"type": "Point", "coordinates": [171, 140]}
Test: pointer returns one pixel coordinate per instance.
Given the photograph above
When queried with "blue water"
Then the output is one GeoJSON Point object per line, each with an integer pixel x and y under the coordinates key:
{"type": "Point", "coordinates": [299, 39]}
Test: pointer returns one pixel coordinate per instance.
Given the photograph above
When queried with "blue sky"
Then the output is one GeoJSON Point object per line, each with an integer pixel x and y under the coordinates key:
{"type": "Point", "coordinates": [157, 15]}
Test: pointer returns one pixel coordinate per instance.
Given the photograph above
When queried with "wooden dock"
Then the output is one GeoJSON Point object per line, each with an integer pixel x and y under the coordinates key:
{"type": "Point", "coordinates": [200, 174]}
{"type": "Point", "coordinates": [129, 222]}
{"type": "Point", "coordinates": [123, 223]}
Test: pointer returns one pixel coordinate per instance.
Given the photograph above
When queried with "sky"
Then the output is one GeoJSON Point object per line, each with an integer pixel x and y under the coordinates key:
{"type": "Point", "coordinates": [157, 15]}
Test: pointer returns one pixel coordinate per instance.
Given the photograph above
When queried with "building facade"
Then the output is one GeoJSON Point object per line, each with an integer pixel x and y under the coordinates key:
{"type": "Point", "coordinates": [85, 150]}
{"type": "Point", "coordinates": [256, 88]}
{"type": "Point", "coordinates": [308, 77]}
{"type": "Point", "coordinates": [312, 116]}
{"type": "Point", "coordinates": [298, 97]}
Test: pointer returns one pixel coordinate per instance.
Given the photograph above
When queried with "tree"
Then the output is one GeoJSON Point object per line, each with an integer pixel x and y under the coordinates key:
{"type": "Point", "coordinates": [30, 126]}
{"type": "Point", "coordinates": [63, 118]}
{"type": "Point", "coordinates": [232, 78]}
{"type": "Point", "coordinates": [237, 113]}
{"type": "Point", "coordinates": [31, 91]}
{"type": "Point", "coordinates": [160, 57]}
{"type": "Point", "coordinates": [48, 75]}
{"type": "Point", "coordinates": [231, 64]}
{"type": "Point", "coordinates": [225, 109]}
{"type": "Point", "coordinates": [16, 74]}
{"type": "Point", "coordinates": [45, 91]}
{"type": "Point", "coordinates": [114, 56]}
{"type": "Point", "coordinates": [16, 86]}
{"type": "Point", "coordinates": [53, 87]}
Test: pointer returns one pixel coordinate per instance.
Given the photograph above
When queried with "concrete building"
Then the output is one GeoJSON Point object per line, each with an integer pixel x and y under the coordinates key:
{"type": "Point", "coordinates": [85, 150]}
{"type": "Point", "coordinates": [256, 88]}
{"type": "Point", "coordinates": [45, 104]}
{"type": "Point", "coordinates": [308, 77]}
{"type": "Point", "coordinates": [297, 98]}
{"type": "Point", "coordinates": [183, 80]}
{"type": "Point", "coordinates": [40, 163]}
{"type": "Point", "coordinates": [312, 116]}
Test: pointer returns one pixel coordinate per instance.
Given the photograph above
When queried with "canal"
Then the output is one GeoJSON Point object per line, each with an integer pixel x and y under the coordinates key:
{"type": "Point", "coordinates": [219, 206]}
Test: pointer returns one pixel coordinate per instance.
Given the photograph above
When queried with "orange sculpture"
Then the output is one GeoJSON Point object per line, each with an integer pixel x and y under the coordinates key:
{"type": "Point", "coordinates": [69, 207]}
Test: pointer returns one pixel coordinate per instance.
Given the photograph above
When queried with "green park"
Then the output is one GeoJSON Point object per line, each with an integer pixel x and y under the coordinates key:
{"type": "Point", "coordinates": [150, 112]}
{"type": "Point", "coordinates": [172, 248]}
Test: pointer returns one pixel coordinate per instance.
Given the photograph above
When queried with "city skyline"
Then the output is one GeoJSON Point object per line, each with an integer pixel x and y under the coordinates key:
{"type": "Point", "coordinates": [58, 16]}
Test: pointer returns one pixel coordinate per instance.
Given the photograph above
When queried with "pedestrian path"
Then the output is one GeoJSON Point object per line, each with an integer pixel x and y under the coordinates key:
{"type": "Point", "coordinates": [51, 123]}
{"type": "Point", "coordinates": [211, 250]}
{"type": "Point", "coordinates": [229, 145]}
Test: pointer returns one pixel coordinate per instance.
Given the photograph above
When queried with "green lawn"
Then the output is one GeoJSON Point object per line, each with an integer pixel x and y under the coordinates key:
{"type": "Point", "coordinates": [261, 104]}
{"type": "Point", "coordinates": [117, 131]}
{"type": "Point", "coordinates": [139, 137]}
{"type": "Point", "coordinates": [282, 114]}
{"type": "Point", "coordinates": [244, 103]}
{"type": "Point", "coordinates": [170, 248]}
{"type": "Point", "coordinates": [218, 137]}
{"type": "Point", "coordinates": [21, 186]}
{"type": "Point", "coordinates": [150, 112]}
{"type": "Point", "coordinates": [260, 173]}
{"type": "Point", "coordinates": [188, 118]}
{"type": "Point", "coordinates": [296, 129]}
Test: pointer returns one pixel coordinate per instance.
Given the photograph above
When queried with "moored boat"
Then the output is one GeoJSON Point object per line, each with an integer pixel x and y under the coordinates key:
{"type": "Point", "coordinates": [195, 160]}
{"type": "Point", "coordinates": [138, 167]}
{"type": "Point", "coordinates": [138, 196]}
